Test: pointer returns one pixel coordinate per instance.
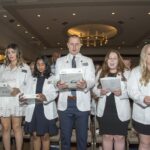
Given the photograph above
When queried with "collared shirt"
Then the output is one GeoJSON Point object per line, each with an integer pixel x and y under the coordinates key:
{"type": "Point", "coordinates": [77, 58]}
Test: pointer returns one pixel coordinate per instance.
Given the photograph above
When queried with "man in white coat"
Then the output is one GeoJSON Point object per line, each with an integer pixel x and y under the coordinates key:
{"type": "Point", "coordinates": [74, 105]}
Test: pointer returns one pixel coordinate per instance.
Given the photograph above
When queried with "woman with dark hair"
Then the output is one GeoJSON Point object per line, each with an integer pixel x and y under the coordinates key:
{"type": "Point", "coordinates": [40, 118]}
{"type": "Point", "coordinates": [15, 74]}
{"type": "Point", "coordinates": [139, 91]}
{"type": "Point", "coordinates": [113, 110]}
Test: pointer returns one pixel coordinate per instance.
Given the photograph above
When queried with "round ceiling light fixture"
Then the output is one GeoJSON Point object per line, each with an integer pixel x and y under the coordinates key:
{"type": "Point", "coordinates": [93, 34]}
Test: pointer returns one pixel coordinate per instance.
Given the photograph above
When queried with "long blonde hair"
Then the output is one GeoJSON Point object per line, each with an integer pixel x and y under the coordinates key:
{"type": "Point", "coordinates": [145, 78]}
{"type": "Point", "coordinates": [20, 60]}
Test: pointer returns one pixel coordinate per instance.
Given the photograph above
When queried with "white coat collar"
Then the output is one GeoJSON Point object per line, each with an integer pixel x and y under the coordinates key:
{"type": "Point", "coordinates": [70, 56]}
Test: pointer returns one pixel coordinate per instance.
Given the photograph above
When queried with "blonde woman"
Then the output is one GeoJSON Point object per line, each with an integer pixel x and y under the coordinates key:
{"type": "Point", "coordinates": [113, 110]}
{"type": "Point", "coordinates": [15, 73]}
{"type": "Point", "coordinates": [139, 91]}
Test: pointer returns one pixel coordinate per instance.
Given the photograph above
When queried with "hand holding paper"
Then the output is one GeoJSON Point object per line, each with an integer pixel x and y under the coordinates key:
{"type": "Point", "coordinates": [22, 99]}
{"type": "Point", "coordinates": [104, 91]}
{"type": "Point", "coordinates": [62, 85]}
{"type": "Point", "coordinates": [111, 83]}
{"type": "Point", "coordinates": [70, 77]}
{"type": "Point", "coordinates": [117, 92]}
{"type": "Point", "coordinates": [27, 99]}
{"type": "Point", "coordinates": [40, 97]}
{"type": "Point", "coordinates": [81, 84]}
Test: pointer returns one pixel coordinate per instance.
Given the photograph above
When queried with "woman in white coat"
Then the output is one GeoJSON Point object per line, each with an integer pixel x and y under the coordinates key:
{"type": "Point", "coordinates": [113, 110]}
{"type": "Point", "coordinates": [40, 118]}
{"type": "Point", "coordinates": [139, 91]}
{"type": "Point", "coordinates": [15, 73]}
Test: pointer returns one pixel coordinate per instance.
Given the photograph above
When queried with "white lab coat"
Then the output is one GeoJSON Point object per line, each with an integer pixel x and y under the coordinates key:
{"type": "Point", "coordinates": [122, 101]}
{"type": "Point", "coordinates": [17, 77]}
{"type": "Point", "coordinates": [50, 93]}
{"type": "Point", "coordinates": [83, 96]}
{"type": "Point", "coordinates": [137, 92]}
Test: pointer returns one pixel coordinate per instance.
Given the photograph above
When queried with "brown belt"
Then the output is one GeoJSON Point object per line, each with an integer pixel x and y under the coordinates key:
{"type": "Point", "coordinates": [72, 97]}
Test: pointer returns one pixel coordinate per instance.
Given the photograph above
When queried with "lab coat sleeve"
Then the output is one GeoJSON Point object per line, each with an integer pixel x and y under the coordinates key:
{"type": "Point", "coordinates": [134, 90]}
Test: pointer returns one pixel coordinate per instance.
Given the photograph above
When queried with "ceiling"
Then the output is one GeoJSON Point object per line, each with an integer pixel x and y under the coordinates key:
{"type": "Point", "coordinates": [44, 23]}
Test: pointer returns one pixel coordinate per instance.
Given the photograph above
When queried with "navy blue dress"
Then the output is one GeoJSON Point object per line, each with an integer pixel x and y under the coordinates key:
{"type": "Point", "coordinates": [39, 123]}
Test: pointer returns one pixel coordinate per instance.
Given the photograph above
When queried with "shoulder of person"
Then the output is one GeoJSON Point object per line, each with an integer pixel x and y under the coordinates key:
{"type": "Point", "coordinates": [136, 70]}
{"type": "Point", "coordinates": [126, 72]}
{"type": "Point", "coordinates": [86, 58]}
{"type": "Point", "coordinates": [24, 67]}
{"type": "Point", "coordinates": [63, 58]}
{"type": "Point", "coordinates": [50, 80]}
{"type": "Point", "coordinates": [2, 66]}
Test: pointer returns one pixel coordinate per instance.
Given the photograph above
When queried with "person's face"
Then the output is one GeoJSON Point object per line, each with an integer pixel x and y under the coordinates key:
{"type": "Point", "coordinates": [148, 56]}
{"type": "Point", "coordinates": [11, 53]}
{"type": "Point", "coordinates": [74, 45]}
{"type": "Point", "coordinates": [41, 66]}
{"type": "Point", "coordinates": [112, 60]}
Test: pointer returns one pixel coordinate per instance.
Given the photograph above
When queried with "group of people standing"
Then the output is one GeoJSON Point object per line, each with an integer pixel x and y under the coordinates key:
{"type": "Point", "coordinates": [73, 105]}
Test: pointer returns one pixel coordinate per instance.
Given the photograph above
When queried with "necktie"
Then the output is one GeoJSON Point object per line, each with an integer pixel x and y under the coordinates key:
{"type": "Point", "coordinates": [73, 62]}
{"type": "Point", "coordinates": [73, 92]}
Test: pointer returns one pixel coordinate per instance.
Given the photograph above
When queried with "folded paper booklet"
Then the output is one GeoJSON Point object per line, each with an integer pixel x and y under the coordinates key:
{"type": "Point", "coordinates": [5, 90]}
{"type": "Point", "coordinates": [30, 98]}
{"type": "Point", "coordinates": [111, 83]}
{"type": "Point", "coordinates": [71, 76]}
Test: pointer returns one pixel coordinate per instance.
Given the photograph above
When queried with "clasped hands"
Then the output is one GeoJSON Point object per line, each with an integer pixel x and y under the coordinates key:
{"type": "Point", "coordinates": [81, 84]}
{"type": "Point", "coordinates": [117, 92]}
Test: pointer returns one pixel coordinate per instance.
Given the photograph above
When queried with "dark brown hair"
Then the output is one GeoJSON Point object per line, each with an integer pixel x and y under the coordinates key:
{"type": "Point", "coordinates": [105, 69]}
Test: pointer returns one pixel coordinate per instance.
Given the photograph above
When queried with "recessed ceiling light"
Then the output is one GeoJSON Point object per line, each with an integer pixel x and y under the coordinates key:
{"type": "Point", "coordinates": [61, 48]}
{"type": "Point", "coordinates": [18, 25]}
{"type": "Point", "coordinates": [73, 14]}
{"type": "Point", "coordinates": [32, 37]}
{"type": "Point", "coordinates": [38, 15]}
{"type": "Point", "coordinates": [148, 13]}
{"type": "Point", "coordinates": [5, 16]}
{"type": "Point", "coordinates": [113, 13]}
{"type": "Point", "coordinates": [58, 43]}
{"type": "Point", "coordinates": [47, 28]}
{"type": "Point", "coordinates": [26, 32]}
